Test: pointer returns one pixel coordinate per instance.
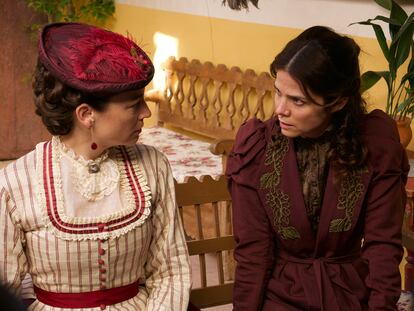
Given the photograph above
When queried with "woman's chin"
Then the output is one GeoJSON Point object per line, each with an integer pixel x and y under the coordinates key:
{"type": "Point", "coordinates": [289, 133]}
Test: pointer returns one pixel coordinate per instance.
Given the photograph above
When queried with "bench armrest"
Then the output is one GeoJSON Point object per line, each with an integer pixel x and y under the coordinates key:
{"type": "Point", "coordinates": [221, 146]}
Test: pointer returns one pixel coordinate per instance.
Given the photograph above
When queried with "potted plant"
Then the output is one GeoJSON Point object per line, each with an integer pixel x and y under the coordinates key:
{"type": "Point", "coordinates": [91, 11]}
{"type": "Point", "coordinates": [399, 79]}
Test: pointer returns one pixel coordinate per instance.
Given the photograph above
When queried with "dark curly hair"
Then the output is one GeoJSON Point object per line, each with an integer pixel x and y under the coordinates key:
{"type": "Point", "coordinates": [240, 4]}
{"type": "Point", "coordinates": [56, 102]}
{"type": "Point", "coordinates": [326, 64]}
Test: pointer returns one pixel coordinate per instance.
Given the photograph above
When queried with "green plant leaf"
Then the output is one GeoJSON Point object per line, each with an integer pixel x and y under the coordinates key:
{"type": "Point", "coordinates": [405, 106]}
{"type": "Point", "coordinates": [404, 44]}
{"type": "Point", "coordinates": [410, 69]}
{"type": "Point", "coordinates": [405, 26]}
{"type": "Point", "coordinates": [380, 18]}
{"type": "Point", "coordinates": [410, 108]}
{"type": "Point", "coordinates": [98, 9]}
{"type": "Point", "coordinates": [370, 78]}
{"type": "Point", "coordinates": [397, 13]}
{"type": "Point", "coordinates": [407, 77]}
{"type": "Point", "coordinates": [387, 4]}
{"type": "Point", "coordinates": [72, 10]}
{"type": "Point", "coordinates": [379, 33]}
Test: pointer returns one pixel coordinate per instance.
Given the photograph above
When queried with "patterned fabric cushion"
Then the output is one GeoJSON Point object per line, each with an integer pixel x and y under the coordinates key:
{"type": "Point", "coordinates": [406, 302]}
{"type": "Point", "coordinates": [187, 156]}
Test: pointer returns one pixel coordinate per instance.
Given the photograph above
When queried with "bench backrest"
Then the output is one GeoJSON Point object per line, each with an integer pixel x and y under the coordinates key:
{"type": "Point", "coordinates": [205, 209]}
{"type": "Point", "coordinates": [213, 100]}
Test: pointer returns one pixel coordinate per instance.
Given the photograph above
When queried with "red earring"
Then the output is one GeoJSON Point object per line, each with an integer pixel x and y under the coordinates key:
{"type": "Point", "coordinates": [94, 146]}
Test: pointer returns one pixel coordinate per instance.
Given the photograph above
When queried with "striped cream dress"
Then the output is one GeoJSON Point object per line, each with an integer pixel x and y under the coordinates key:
{"type": "Point", "coordinates": [73, 231]}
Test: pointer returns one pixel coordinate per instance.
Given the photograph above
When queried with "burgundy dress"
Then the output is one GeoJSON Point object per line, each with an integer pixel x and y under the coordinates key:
{"type": "Point", "coordinates": [291, 256]}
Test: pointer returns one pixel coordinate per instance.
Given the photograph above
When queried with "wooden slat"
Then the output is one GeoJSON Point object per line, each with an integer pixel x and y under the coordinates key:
{"type": "Point", "coordinates": [201, 255]}
{"type": "Point", "coordinates": [216, 219]}
{"type": "Point", "coordinates": [210, 245]}
{"type": "Point", "coordinates": [193, 191]}
{"type": "Point", "coordinates": [212, 296]}
{"type": "Point", "coordinates": [203, 270]}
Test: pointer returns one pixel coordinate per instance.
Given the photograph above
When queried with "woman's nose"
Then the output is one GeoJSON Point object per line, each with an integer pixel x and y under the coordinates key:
{"type": "Point", "coordinates": [281, 106]}
{"type": "Point", "coordinates": [146, 112]}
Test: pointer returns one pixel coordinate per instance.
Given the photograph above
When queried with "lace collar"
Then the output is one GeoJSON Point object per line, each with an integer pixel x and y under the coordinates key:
{"type": "Point", "coordinates": [93, 186]}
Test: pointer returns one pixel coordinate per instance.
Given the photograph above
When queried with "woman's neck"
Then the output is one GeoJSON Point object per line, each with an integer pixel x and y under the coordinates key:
{"type": "Point", "coordinates": [81, 144]}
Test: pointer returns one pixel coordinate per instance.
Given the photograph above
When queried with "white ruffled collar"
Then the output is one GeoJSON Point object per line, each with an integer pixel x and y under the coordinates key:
{"type": "Point", "coordinates": [92, 186]}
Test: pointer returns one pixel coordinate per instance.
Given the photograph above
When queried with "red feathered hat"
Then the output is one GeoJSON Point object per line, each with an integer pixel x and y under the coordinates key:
{"type": "Point", "coordinates": [93, 60]}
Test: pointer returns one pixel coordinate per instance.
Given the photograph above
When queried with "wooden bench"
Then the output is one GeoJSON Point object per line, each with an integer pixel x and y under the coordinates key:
{"type": "Point", "coordinates": [195, 198]}
{"type": "Point", "coordinates": [212, 101]}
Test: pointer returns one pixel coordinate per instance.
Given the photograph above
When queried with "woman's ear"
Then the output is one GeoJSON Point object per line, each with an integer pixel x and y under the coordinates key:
{"type": "Point", "coordinates": [85, 115]}
{"type": "Point", "coordinates": [339, 104]}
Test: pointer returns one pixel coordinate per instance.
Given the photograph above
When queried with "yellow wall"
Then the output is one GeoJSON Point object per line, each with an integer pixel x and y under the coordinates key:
{"type": "Point", "coordinates": [234, 43]}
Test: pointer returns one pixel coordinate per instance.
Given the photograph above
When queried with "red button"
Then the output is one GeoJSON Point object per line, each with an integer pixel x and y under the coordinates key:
{"type": "Point", "coordinates": [101, 262]}
{"type": "Point", "coordinates": [102, 278]}
{"type": "Point", "coordinates": [101, 251]}
{"type": "Point", "coordinates": [103, 307]}
{"type": "Point", "coordinates": [102, 270]}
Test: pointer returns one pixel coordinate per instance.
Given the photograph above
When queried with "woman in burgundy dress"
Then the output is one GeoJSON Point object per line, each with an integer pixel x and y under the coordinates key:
{"type": "Point", "coordinates": [318, 190]}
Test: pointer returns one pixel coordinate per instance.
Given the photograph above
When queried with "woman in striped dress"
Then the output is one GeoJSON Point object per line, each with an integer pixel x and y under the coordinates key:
{"type": "Point", "coordinates": [89, 219]}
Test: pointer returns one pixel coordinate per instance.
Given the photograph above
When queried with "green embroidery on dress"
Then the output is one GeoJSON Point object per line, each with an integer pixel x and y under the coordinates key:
{"type": "Point", "coordinates": [351, 190]}
{"type": "Point", "coordinates": [278, 200]}
{"type": "Point", "coordinates": [274, 155]}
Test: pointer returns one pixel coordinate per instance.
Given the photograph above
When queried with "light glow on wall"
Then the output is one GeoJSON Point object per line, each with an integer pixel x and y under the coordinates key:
{"type": "Point", "coordinates": [165, 46]}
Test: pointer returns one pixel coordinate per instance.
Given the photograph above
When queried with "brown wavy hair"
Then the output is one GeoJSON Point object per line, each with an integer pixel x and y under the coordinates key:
{"type": "Point", "coordinates": [326, 64]}
{"type": "Point", "coordinates": [56, 102]}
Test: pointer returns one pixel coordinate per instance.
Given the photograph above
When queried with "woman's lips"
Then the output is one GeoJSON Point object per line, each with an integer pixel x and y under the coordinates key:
{"type": "Point", "coordinates": [284, 125]}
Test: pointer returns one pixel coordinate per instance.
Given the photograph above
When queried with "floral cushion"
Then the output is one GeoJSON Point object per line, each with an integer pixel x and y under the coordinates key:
{"type": "Point", "coordinates": [406, 302]}
{"type": "Point", "coordinates": [187, 156]}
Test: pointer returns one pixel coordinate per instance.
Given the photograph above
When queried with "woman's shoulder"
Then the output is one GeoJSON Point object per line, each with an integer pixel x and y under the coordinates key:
{"type": "Point", "coordinates": [380, 134]}
{"type": "Point", "coordinates": [19, 175]}
{"type": "Point", "coordinates": [252, 133]}
{"type": "Point", "coordinates": [250, 144]}
{"type": "Point", "coordinates": [379, 126]}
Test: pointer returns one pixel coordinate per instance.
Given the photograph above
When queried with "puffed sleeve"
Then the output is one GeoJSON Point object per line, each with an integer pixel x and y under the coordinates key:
{"type": "Point", "coordinates": [252, 230]}
{"type": "Point", "coordinates": [384, 214]}
{"type": "Point", "coordinates": [13, 262]}
{"type": "Point", "coordinates": [167, 269]}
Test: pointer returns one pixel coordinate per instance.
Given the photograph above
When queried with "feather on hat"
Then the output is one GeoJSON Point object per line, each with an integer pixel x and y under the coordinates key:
{"type": "Point", "coordinates": [93, 60]}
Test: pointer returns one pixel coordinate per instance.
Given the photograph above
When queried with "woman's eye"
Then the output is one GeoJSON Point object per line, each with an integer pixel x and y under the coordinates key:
{"type": "Point", "coordinates": [298, 102]}
{"type": "Point", "coordinates": [136, 106]}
